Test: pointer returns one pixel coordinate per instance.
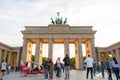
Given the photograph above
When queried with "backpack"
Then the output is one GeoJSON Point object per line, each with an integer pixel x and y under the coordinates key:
{"type": "Point", "coordinates": [67, 61]}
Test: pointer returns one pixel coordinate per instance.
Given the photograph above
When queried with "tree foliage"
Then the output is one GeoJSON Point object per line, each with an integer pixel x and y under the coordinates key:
{"type": "Point", "coordinates": [72, 62]}
{"type": "Point", "coordinates": [33, 58]}
{"type": "Point", "coordinates": [44, 59]}
{"type": "Point", "coordinates": [84, 57]}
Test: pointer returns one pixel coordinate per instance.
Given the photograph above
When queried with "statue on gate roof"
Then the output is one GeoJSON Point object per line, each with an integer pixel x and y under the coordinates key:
{"type": "Point", "coordinates": [58, 20]}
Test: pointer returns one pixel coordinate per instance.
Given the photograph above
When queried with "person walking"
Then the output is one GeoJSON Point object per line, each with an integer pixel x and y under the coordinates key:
{"type": "Point", "coordinates": [99, 66]}
{"type": "Point", "coordinates": [94, 68]}
{"type": "Point", "coordinates": [47, 68]}
{"type": "Point", "coordinates": [102, 69]}
{"type": "Point", "coordinates": [66, 61]}
{"type": "Point", "coordinates": [8, 69]}
{"type": "Point", "coordinates": [58, 67]}
{"type": "Point", "coordinates": [108, 67]}
{"type": "Point", "coordinates": [51, 69]}
{"type": "Point", "coordinates": [3, 67]}
{"type": "Point", "coordinates": [89, 64]}
{"type": "Point", "coordinates": [115, 68]}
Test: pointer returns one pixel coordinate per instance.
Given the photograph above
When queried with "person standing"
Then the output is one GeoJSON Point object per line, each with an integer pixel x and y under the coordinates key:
{"type": "Point", "coordinates": [47, 68]}
{"type": "Point", "coordinates": [66, 61]}
{"type": "Point", "coordinates": [89, 64]}
{"type": "Point", "coordinates": [99, 66]}
{"type": "Point", "coordinates": [108, 67]}
{"type": "Point", "coordinates": [58, 67]}
{"type": "Point", "coordinates": [3, 67]}
{"type": "Point", "coordinates": [94, 68]}
{"type": "Point", "coordinates": [102, 69]}
{"type": "Point", "coordinates": [51, 69]}
{"type": "Point", "coordinates": [8, 69]}
{"type": "Point", "coordinates": [115, 68]}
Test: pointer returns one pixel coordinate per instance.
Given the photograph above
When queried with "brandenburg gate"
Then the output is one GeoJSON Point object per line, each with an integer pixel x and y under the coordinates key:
{"type": "Point", "coordinates": [58, 32]}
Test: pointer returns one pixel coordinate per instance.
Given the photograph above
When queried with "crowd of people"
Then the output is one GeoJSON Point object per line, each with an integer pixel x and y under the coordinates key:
{"type": "Point", "coordinates": [112, 67]}
{"type": "Point", "coordinates": [58, 67]}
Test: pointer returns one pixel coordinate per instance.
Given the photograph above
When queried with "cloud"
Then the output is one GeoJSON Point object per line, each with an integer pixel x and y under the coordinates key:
{"type": "Point", "coordinates": [103, 15]}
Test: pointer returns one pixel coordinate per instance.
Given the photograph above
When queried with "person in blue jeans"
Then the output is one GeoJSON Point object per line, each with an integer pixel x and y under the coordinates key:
{"type": "Point", "coordinates": [102, 69]}
{"type": "Point", "coordinates": [115, 68]}
{"type": "Point", "coordinates": [108, 67]}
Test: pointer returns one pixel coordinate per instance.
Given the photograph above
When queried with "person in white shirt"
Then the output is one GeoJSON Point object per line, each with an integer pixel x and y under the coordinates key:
{"type": "Point", "coordinates": [58, 74]}
{"type": "Point", "coordinates": [89, 65]}
{"type": "Point", "coordinates": [3, 67]}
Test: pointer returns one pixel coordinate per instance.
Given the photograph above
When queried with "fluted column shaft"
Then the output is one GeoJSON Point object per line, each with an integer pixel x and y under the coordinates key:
{"type": "Point", "coordinates": [38, 52]}
{"type": "Point", "coordinates": [66, 47]}
{"type": "Point", "coordinates": [24, 50]}
{"type": "Point", "coordinates": [80, 56]}
{"type": "Point", "coordinates": [50, 49]}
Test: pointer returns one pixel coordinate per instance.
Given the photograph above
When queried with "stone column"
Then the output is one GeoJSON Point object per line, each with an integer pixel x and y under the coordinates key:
{"type": "Point", "coordinates": [92, 48]}
{"type": "Point", "coordinates": [66, 47]}
{"type": "Point", "coordinates": [0, 56]}
{"type": "Point", "coordinates": [38, 52]}
{"type": "Point", "coordinates": [24, 50]}
{"type": "Point", "coordinates": [87, 48]}
{"type": "Point", "coordinates": [50, 49]}
{"type": "Point", "coordinates": [99, 56]}
{"type": "Point", "coordinates": [18, 53]}
{"type": "Point", "coordinates": [5, 53]}
{"type": "Point", "coordinates": [80, 56]}
{"type": "Point", "coordinates": [9, 57]}
{"type": "Point", "coordinates": [118, 56]}
{"type": "Point", "coordinates": [107, 54]}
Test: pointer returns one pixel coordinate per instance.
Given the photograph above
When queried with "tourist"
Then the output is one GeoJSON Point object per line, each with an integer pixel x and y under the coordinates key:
{"type": "Point", "coordinates": [47, 68]}
{"type": "Point", "coordinates": [62, 67]}
{"type": "Point", "coordinates": [3, 67]}
{"type": "Point", "coordinates": [115, 68]}
{"type": "Point", "coordinates": [55, 67]}
{"type": "Point", "coordinates": [99, 66]}
{"type": "Point", "coordinates": [35, 67]}
{"type": "Point", "coordinates": [102, 69]}
{"type": "Point", "coordinates": [58, 67]}
{"type": "Point", "coordinates": [8, 69]}
{"type": "Point", "coordinates": [94, 68]}
{"type": "Point", "coordinates": [51, 69]}
{"type": "Point", "coordinates": [108, 67]}
{"type": "Point", "coordinates": [66, 61]}
{"type": "Point", "coordinates": [89, 64]}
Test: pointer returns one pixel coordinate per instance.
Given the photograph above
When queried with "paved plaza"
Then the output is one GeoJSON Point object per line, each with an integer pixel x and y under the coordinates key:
{"type": "Point", "coordinates": [74, 75]}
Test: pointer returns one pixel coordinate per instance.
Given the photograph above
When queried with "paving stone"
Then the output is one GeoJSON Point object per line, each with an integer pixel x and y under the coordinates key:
{"type": "Point", "coordinates": [74, 75]}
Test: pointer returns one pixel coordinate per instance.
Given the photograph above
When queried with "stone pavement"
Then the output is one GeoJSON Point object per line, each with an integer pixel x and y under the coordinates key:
{"type": "Point", "coordinates": [74, 75]}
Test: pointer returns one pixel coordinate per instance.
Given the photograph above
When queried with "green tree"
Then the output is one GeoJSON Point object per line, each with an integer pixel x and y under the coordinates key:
{"type": "Point", "coordinates": [84, 57]}
{"type": "Point", "coordinates": [44, 59]}
{"type": "Point", "coordinates": [72, 62]}
{"type": "Point", "coordinates": [33, 58]}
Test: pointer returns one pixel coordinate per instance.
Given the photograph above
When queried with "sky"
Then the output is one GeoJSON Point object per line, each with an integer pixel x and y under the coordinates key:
{"type": "Point", "coordinates": [103, 15]}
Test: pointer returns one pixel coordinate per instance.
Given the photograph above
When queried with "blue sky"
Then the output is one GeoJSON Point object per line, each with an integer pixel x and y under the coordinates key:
{"type": "Point", "coordinates": [103, 15]}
